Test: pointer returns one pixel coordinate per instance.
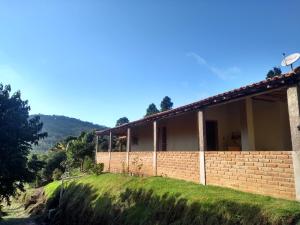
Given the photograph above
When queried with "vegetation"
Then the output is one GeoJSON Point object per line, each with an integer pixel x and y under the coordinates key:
{"type": "Point", "coordinates": [61, 127]}
{"type": "Point", "coordinates": [96, 169]}
{"type": "Point", "coordinates": [53, 160]}
{"type": "Point", "coordinates": [166, 104]}
{"type": "Point", "coordinates": [119, 199]}
{"type": "Point", "coordinates": [80, 149]}
{"type": "Point", "coordinates": [57, 173]}
{"type": "Point", "coordinates": [36, 165]}
{"type": "Point", "coordinates": [17, 134]}
{"type": "Point", "coordinates": [276, 71]}
{"type": "Point", "coordinates": [121, 121]}
{"type": "Point", "coordinates": [152, 109]}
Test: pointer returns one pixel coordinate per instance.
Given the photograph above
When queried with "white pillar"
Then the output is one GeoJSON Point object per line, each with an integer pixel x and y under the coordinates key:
{"type": "Point", "coordinates": [248, 136]}
{"type": "Point", "coordinates": [128, 148]}
{"type": "Point", "coordinates": [155, 148]}
{"type": "Point", "coordinates": [294, 117]}
{"type": "Point", "coordinates": [202, 146]}
{"type": "Point", "coordinates": [109, 149]}
{"type": "Point", "coordinates": [96, 147]}
{"type": "Point", "coordinates": [250, 123]}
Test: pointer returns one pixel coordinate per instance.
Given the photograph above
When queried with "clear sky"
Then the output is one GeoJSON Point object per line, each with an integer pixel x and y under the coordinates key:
{"type": "Point", "coordinates": [103, 59]}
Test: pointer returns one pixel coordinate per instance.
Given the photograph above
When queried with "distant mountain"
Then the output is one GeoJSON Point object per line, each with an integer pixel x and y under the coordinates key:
{"type": "Point", "coordinates": [60, 127]}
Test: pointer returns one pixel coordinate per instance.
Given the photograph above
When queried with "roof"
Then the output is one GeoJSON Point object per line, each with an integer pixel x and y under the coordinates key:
{"type": "Point", "coordinates": [276, 82]}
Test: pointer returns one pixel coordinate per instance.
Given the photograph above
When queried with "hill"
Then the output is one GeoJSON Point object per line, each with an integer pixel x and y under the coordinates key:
{"type": "Point", "coordinates": [60, 127]}
{"type": "Point", "coordinates": [121, 199]}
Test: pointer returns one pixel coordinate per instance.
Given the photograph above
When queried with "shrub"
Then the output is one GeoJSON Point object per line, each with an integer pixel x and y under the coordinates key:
{"type": "Point", "coordinates": [57, 173]}
{"type": "Point", "coordinates": [97, 169]}
{"type": "Point", "coordinates": [55, 160]}
{"type": "Point", "coordinates": [137, 164]}
{"type": "Point", "coordinates": [88, 164]}
{"type": "Point", "coordinates": [1, 214]}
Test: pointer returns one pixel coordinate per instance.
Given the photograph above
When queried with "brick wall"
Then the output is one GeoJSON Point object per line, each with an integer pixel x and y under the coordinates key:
{"type": "Point", "coordinates": [144, 160]}
{"type": "Point", "coordinates": [103, 157]}
{"type": "Point", "coordinates": [179, 164]}
{"type": "Point", "coordinates": [118, 162]}
{"type": "Point", "coordinates": [262, 172]}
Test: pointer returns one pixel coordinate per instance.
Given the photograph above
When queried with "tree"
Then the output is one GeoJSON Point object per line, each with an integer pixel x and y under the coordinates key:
{"type": "Point", "coordinates": [166, 104]}
{"type": "Point", "coordinates": [121, 121]}
{"type": "Point", "coordinates": [35, 166]}
{"type": "Point", "coordinates": [276, 71]}
{"type": "Point", "coordinates": [63, 145]}
{"type": "Point", "coordinates": [55, 161]}
{"type": "Point", "coordinates": [151, 110]}
{"type": "Point", "coordinates": [78, 149]}
{"type": "Point", "coordinates": [103, 143]}
{"type": "Point", "coordinates": [17, 134]}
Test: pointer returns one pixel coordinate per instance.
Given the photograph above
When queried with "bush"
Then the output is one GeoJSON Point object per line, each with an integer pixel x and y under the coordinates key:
{"type": "Point", "coordinates": [57, 173]}
{"type": "Point", "coordinates": [88, 164]}
{"type": "Point", "coordinates": [97, 169]}
{"type": "Point", "coordinates": [55, 161]}
{"type": "Point", "coordinates": [1, 214]}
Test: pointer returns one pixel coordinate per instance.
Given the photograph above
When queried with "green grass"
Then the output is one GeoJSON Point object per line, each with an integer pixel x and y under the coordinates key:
{"type": "Point", "coordinates": [157, 200]}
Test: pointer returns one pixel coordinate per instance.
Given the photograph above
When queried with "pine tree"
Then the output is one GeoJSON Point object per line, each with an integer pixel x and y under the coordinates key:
{"type": "Point", "coordinates": [152, 109]}
{"type": "Point", "coordinates": [166, 104]}
{"type": "Point", "coordinates": [122, 121]}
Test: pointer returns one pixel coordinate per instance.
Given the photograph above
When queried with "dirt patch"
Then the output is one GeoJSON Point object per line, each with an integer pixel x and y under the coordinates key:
{"type": "Point", "coordinates": [24, 212]}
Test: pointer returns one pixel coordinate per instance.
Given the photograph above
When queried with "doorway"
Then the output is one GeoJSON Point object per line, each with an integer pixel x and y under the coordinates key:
{"type": "Point", "coordinates": [211, 135]}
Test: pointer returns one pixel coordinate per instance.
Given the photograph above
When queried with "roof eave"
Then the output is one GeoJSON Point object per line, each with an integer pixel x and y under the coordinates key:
{"type": "Point", "coordinates": [284, 80]}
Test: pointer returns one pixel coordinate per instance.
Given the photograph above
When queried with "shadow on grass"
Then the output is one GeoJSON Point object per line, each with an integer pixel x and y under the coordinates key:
{"type": "Point", "coordinates": [17, 221]}
{"type": "Point", "coordinates": [81, 205]}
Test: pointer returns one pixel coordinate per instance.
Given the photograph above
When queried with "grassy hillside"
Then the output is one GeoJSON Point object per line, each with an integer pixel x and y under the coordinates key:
{"type": "Point", "coordinates": [60, 127]}
{"type": "Point", "coordinates": [120, 199]}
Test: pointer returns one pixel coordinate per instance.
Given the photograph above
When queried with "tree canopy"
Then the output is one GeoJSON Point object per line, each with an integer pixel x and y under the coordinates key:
{"type": "Point", "coordinates": [121, 121]}
{"type": "Point", "coordinates": [83, 146]}
{"type": "Point", "coordinates": [17, 133]}
{"type": "Point", "coordinates": [166, 104]}
{"type": "Point", "coordinates": [276, 71]}
{"type": "Point", "coordinates": [152, 109]}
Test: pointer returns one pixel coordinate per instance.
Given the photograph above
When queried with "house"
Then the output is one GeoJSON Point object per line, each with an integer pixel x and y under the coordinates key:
{"type": "Point", "coordinates": [247, 139]}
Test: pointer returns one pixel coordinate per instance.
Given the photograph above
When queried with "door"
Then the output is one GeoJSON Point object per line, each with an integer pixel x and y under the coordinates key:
{"type": "Point", "coordinates": [164, 139]}
{"type": "Point", "coordinates": [211, 135]}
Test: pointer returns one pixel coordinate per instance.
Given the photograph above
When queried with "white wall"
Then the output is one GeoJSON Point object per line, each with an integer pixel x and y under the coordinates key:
{"type": "Point", "coordinates": [182, 133]}
{"type": "Point", "coordinates": [144, 134]}
{"type": "Point", "coordinates": [228, 119]}
{"type": "Point", "coordinates": [271, 125]}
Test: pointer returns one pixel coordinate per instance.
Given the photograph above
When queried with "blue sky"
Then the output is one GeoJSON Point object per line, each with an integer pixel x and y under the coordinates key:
{"type": "Point", "coordinates": [103, 59]}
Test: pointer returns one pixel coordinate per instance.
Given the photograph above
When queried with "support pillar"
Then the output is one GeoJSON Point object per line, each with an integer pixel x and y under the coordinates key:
{"type": "Point", "coordinates": [250, 123]}
{"type": "Point", "coordinates": [96, 148]}
{"type": "Point", "coordinates": [294, 117]}
{"type": "Point", "coordinates": [248, 136]}
{"type": "Point", "coordinates": [128, 148]}
{"type": "Point", "coordinates": [155, 145]}
{"type": "Point", "coordinates": [202, 146]}
{"type": "Point", "coordinates": [109, 149]}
